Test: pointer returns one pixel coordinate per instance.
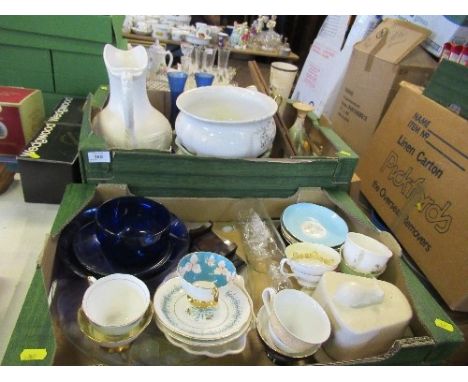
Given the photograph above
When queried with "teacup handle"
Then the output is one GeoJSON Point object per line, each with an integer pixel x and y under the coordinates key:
{"type": "Point", "coordinates": [281, 268]}
{"type": "Point", "coordinates": [91, 280]}
{"type": "Point", "coordinates": [268, 295]}
{"type": "Point", "coordinates": [278, 98]}
{"type": "Point", "coordinates": [171, 58]}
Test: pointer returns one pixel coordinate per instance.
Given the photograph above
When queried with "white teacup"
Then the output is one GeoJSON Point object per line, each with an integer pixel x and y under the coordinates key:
{"type": "Point", "coordinates": [115, 304]}
{"type": "Point", "coordinates": [309, 262]}
{"type": "Point", "coordinates": [297, 322]}
{"type": "Point", "coordinates": [365, 254]}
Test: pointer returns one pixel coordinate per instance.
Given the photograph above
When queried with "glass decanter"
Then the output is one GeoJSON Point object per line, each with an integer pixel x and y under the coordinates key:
{"type": "Point", "coordinates": [297, 133]}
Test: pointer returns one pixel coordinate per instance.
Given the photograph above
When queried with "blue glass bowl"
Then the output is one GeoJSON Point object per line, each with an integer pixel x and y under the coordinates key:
{"type": "Point", "coordinates": [133, 230]}
{"type": "Point", "coordinates": [206, 266]}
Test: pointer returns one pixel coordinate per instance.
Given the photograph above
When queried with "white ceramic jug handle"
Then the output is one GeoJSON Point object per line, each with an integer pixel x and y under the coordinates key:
{"type": "Point", "coordinates": [127, 86]}
{"type": "Point", "coordinates": [268, 295]}
{"type": "Point", "coordinates": [281, 267]}
{"type": "Point", "coordinates": [171, 58]}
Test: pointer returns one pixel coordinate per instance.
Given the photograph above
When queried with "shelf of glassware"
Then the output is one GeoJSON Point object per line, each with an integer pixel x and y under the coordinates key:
{"type": "Point", "coordinates": [148, 40]}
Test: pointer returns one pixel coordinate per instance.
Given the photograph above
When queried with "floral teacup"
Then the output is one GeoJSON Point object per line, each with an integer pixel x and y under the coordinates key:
{"type": "Point", "coordinates": [202, 274]}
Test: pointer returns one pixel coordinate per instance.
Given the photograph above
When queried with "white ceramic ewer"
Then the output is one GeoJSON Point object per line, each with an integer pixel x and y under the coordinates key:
{"type": "Point", "coordinates": [129, 121]}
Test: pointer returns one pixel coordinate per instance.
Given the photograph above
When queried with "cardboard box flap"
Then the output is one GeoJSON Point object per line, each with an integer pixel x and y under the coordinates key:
{"type": "Point", "coordinates": [418, 59]}
{"type": "Point", "coordinates": [393, 40]}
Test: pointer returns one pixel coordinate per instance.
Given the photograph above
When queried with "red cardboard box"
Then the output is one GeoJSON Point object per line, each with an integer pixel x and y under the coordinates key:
{"type": "Point", "coordinates": [21, 116]}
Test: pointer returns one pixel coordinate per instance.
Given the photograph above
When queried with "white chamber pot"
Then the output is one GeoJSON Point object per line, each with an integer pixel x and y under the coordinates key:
{"type": "Point", "coordinates": [226, 121]}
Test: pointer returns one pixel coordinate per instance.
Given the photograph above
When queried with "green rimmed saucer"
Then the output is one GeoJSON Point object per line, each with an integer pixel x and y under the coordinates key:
{"type": "Point", "coordinates": [113, 343]}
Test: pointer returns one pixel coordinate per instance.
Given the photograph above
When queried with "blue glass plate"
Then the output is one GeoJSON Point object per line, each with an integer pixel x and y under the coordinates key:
{"type": "Point", "coordinates": [312, 223]}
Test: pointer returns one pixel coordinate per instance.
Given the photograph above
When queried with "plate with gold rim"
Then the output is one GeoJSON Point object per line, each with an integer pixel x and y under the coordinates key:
{"type": "Point", "coordinates": [109, 341]}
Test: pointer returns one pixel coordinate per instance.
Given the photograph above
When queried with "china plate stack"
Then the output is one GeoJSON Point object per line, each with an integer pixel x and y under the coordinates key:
{"type": "Point", "coordinates": [214, 332]}
{"type": "Point", "coordinates": [311, 223]}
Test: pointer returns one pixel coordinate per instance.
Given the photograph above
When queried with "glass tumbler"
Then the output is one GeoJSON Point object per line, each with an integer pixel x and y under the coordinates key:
{"type": "Point", "coordinates": [204, 79]}
{"type": "Point", "coordinates": [186, 63]}
{"type": "Point", "coordinates": [209, 55]}
{"type": "Point", "coordinates": [223, 59]}
{"type": "Point", "coordinates": [197, 58]}
{"type": "Point", "coordinates": [177, 82]}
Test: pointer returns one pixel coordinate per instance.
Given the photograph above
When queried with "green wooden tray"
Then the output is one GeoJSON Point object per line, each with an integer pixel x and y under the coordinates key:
{"type": "Point", "coordinates": [147, 171]}
{"type": "Point", "coordinates": [431, 343]}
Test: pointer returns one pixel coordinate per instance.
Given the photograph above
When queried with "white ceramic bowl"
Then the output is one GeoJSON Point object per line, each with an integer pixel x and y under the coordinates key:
{"type": "Point", "coordinates": [115, 304]}
{"type": "Point", "coordinates": [226, 121]}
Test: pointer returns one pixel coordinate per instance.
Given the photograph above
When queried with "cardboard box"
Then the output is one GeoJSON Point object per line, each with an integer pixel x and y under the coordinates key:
{"type": "Point", "coordinates": [387, 56]}
{"type": "Point", "coordinates": [414, 173]}
{"type": "Point", "coordinates": [443, 29]}
{"type": "Point", "coordinates": [50, 161]}
{"type": "Point", "coordinates": [423, 343]}
{"type": "Point", "coordinates": [21, 116]}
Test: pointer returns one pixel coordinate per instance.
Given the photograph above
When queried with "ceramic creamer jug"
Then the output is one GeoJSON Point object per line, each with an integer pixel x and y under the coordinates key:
{"type": "Point", "coordinates": [158, 54]}
{"type": "Point", "coordinates": [129, 121]}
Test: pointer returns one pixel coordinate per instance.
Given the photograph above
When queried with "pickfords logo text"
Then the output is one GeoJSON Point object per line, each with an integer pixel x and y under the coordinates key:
{"type": "Point", "coordinates": [411, 188]}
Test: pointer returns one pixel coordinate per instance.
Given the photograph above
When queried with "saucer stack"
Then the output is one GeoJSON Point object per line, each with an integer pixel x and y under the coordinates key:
{"type": "Point", "coordinates": [214, 332]}
{"type": "Point", "coordinates": [312, 223]}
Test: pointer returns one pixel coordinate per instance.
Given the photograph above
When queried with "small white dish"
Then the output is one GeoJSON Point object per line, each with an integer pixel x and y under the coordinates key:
{"type": "Point", "coordinates": [141, 32]}
{"type": "Point", "coordinates": [193, 39]}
